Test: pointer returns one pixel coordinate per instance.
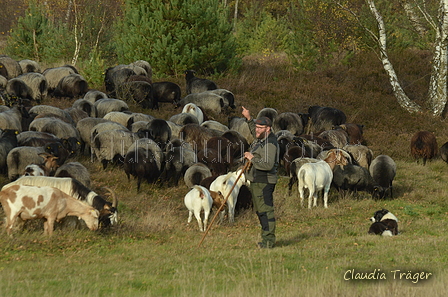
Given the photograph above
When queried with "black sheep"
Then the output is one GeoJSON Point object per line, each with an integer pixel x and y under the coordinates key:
{"type": "Point", "coordinates": [196, 84]}
{"type": "Point", "coordinates": [166, 91]}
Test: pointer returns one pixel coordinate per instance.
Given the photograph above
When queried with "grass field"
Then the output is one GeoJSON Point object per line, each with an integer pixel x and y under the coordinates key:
{"type": "Point", "coordinates": [320, 252]}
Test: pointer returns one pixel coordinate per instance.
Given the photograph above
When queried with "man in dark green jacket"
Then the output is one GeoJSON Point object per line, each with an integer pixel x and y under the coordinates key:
{"type": "Point", "coordinates": [264, 156]}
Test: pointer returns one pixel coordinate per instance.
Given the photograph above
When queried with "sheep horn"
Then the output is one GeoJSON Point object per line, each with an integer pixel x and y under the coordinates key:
{"type": "Point", "coordinates": [114, 197]}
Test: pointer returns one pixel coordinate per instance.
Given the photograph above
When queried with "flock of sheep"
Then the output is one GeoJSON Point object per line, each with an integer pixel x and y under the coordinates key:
{"type": "Point", "coordinates": [43, 140]}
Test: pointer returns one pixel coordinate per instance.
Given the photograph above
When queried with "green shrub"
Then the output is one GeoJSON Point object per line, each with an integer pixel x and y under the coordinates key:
{"type": "Point", "coordinates": [177, 35]}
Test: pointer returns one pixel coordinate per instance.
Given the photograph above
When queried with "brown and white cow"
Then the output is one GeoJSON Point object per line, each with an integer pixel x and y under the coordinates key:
{"type": "Point", "coordinates": [33, 202]}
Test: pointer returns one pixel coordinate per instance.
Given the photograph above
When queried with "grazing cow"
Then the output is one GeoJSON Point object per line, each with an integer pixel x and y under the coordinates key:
{"type": "Point", "coordinates": [424, 146]}
{"type": "Point", "coordinates": [315, 177]}
{"type": "Point", "coordinates": [33, 202]}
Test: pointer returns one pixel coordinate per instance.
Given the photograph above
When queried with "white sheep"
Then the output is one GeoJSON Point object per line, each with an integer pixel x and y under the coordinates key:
{"type": "Point", "coordinates": [197, 200]}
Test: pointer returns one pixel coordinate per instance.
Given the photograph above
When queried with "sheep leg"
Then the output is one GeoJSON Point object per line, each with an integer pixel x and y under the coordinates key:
{"type": "Point", "coordinates": [197, 214]}
{"type": "Point", "coordinates": [206, 215]}
{"type": "Point", "coordinates": [292, 181]}
{"type": "Point", "coordinates": [300, 188]}
{"type": "Point", "coordinates": [49, 226]}
{"type": "Point", "coordinates": [315, 198]}
{"type": "Point", "coordinates": [311, 194]}
{"type": "Point", "coordinates": [326, 198]}
{"type": "Point", "coordinates": [190, 216]}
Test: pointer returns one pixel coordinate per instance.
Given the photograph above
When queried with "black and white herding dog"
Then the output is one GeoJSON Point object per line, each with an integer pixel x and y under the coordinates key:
{"type": "Point", "coordinates": [384, 223]}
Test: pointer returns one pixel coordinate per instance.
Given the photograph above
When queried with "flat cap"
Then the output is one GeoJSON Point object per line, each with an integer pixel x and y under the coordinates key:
{"type": "Point", "coordinates": [263, 121]}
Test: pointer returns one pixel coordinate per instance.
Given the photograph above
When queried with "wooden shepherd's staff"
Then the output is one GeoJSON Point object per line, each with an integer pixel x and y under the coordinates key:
{"type": "Point", "coordinates": [246, 166]}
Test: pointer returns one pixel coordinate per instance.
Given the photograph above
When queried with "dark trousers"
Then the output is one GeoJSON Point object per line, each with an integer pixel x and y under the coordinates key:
{"type": "Point", "coordinates": [263, 199]}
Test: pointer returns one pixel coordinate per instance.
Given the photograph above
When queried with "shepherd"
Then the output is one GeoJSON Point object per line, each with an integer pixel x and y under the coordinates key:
{"type": "Point", "coordinates": [264, 157]}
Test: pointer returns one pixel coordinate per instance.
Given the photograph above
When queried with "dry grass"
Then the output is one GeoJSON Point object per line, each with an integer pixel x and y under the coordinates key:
{"type": "Point", "coordinates": [153, 252]}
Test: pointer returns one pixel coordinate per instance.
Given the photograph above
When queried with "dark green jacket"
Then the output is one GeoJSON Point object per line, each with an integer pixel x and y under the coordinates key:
{"type": "Point", "coordinates": [265, 160]}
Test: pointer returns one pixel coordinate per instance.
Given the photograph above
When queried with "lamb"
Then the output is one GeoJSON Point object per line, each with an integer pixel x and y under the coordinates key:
{"type": "Point", "coordinates": [383, 170]}
{"type": "Point", "coordinates": [141, 164]}
{"type": "Point", "coordinates": [31, 202]}
{"type": "Point", "coordinates": [315, 177]}
{"type": "Point", "coordinates": [424, 146]}
{"type": "Point", "coordinates": [197, 200]}
{"type": "Point", "coordinates": [198, 85]}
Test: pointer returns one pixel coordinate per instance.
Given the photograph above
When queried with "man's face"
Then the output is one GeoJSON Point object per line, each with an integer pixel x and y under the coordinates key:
{"type": "Point", "coordinates": [261, 131]}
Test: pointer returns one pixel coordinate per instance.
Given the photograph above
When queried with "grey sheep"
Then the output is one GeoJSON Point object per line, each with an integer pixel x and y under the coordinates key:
{"type": "Point", "coordinates": [86, 106]}
{"type": "Point", "coordinates": [54, 75]}
{"type": "Point", "coordinates": [215, 125]}
{"type": "Point", "coordinates": [9, 67]}
{"type": "Point", "coordinates": [72, 85]}
{"type": "Point", "coordinates": [175, 129]}
{"type": "Point", "coordinates": [84, 127]}
{"type": "Point", "coordinates": [383, 170]}
{"type": "Point", "coordinates": [26, 135]}
{"type": "Point", "coordinates": [205, 100]}
{"type": "Point", "coordinates": [54, 126]}
{"type": "Point", "coordinates": [240, 125]}
{"type": "Point", "coordinates": [74, 170]}
{"type": "Point", "coordinates": [3, 82]}
{"type": "Point", "coordinates": [338, 138]}
{"type": "Point", "coordinates": [110, 146]}
{"type": "Point", "coordinates": [118, 117]}
{"type": "Point", "coordinates": [11, 118]}
{"type": "Point", "coordinates": [77, 114]}
{"type": "Point", "coordinates": [17, 88]}
{"type": "Point", "coordinates": [352, 178]}
{"type": "Point", "coordinates": [269, 112]}
{"type": "Point", "coordinates": [151, 146]}
{"type": "Point", "coordinates": [177, 160]}
{"type": "Point", "coordinates": [45, 110]}
{"type": "Point", "coordinates": [229, 97]}
{"type": "Point", "coordinates": [94, 95]}
{"type": "Point", "coordinates": [104, 106]}
{"type": "Point", "coordinates": [139, 117]}
{"type": "Point", "coordinates": [196, 84]}
{"type": "Point", "coordinates": [37, 84]}
{"type": "Point", "coordinates": [145, 65]}
{"type": "Point", "coordinates": [360, 153]}
{"type": "Point", "coordinates": [288, 121]}
{"type": "Point", "coordinates": [195, 174]}
{"type": "Point", "coordinates": [19, 157]}
{"type": "Point", "coordinates": [29, 66]}
{"type": "Point", "coordinates": [183, 119]}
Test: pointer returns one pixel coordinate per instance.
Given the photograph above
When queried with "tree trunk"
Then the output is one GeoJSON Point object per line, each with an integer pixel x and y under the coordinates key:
{"type": "Point", "coordinates": [413, 17]}
{"type": "Point", "coordinates": [399, 93]}
{"type": "Point", "coordinates": [437, 88]}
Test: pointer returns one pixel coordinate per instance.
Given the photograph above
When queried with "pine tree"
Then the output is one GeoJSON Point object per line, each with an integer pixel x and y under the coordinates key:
{"type": "Point", "coordinates": [177, 35]}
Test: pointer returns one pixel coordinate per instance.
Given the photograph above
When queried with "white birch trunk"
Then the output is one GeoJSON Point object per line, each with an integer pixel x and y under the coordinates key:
{"type": "Point", "coordinates": [437, 87]}
{"type": "Point", "coordinates": [399, 93]}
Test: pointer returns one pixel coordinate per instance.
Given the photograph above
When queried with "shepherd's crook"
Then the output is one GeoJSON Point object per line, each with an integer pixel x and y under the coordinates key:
{"type": "Point", "coordinates": [246, 166]}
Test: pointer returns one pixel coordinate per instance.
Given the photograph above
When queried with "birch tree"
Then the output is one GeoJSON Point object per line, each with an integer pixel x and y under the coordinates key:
{"type": "Point", "coordinates": [436, 100]}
